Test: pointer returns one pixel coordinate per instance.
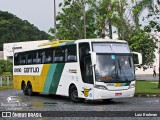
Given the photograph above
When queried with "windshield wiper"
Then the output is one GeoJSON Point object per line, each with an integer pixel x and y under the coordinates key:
{"type": "Point", "coordinates": [120, 68]}
{"type": "Point", "coordinates": [116, 72]}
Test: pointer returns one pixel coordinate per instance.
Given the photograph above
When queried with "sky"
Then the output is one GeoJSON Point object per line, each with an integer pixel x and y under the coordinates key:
{"type": "Point", "coordinates": [37, 12]}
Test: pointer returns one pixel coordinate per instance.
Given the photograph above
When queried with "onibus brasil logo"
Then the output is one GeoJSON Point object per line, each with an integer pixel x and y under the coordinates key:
{"type": "Point", "coordinates": [14, 103]}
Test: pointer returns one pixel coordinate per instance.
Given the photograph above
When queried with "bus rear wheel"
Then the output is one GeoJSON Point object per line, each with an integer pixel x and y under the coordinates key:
{"type": "Point", "coordinates": [29, 88]}
{"type": "Point", "coordinates": [73, 95]}
{"type": "Point", "coordinates": [24, 88]}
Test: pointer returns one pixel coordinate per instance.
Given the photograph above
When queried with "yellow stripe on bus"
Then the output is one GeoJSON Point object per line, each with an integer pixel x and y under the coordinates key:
{"type": "Point", "coordinates": [36, 81]}
{"type": "Point", "coordinates": [43, 76]}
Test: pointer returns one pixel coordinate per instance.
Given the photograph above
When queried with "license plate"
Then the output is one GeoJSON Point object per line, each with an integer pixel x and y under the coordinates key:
{"type": "Point", "coordinates": [118, 84]}
{"type": "Point", "coordinates": [118, 94]}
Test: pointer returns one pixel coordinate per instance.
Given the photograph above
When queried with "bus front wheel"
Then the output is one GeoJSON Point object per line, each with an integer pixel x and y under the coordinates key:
{"type": "Point", "coordinates": [73, 95]}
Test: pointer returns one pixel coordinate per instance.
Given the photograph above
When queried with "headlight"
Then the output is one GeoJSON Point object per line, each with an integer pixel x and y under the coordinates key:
{"type": "Point", "coordinates": [131, 86]}
{"type": "Point", "coordinates": [100, 87]}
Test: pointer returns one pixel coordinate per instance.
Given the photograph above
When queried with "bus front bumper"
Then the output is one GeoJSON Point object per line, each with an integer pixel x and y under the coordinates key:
{"type": "Point", "coordinates": [106, 94]}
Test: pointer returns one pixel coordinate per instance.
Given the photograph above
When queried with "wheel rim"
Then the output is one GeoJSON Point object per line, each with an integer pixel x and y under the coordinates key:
{"type": "Point", "coordinates": [74, 94]}
{"type": "Point", "coordinates": [24, 88]}
{"type": "Point", "coordinates": [29, 89]}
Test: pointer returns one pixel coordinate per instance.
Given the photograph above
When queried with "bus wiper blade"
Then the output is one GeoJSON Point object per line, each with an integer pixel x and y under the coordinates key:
{"type": "Point", "coordinates": [121, 70]}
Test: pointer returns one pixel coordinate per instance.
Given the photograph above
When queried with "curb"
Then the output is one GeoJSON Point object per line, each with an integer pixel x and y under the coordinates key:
{"type": "Point", "coordinates": [147, 95]}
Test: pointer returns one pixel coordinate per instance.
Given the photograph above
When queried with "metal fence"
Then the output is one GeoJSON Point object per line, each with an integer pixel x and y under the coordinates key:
{"type": "Point", "coordinates": [6, 81]}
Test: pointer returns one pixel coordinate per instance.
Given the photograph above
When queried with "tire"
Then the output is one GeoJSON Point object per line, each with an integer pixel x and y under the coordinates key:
{"type": "Point", "coordinates": [29, 88]}
{"type": "Point", "coordinates": [73, 95]}
{"type": "Point", "coordinates": [24, 88]}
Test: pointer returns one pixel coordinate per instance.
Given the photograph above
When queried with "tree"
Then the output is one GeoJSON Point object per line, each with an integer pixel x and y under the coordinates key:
{"type": "Point", "coordinates": [138, 9]}
{"type": "Point", "coordinates": [153, 13]}
{"type": "Point", "coordinates": [154, 23]}
{"type": "Point", "coordinates": [103, 15]}
{"type": "Point", "coordinates": [72, 22]}
{"type": "Point", "coordinates": [5, 66]}
{"type": "Point", "coordinates": [13, 29]}
{"type": "Point", "coordinates": [142, 42]}
{"type": "Point", "coordinates": [99, 13]}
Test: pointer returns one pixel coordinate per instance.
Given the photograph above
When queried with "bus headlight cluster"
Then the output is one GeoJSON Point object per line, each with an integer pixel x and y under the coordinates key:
{"type": "Point", "coordinates": [131, 86]}
{"type": "Point", "coordinates": [100, 87]}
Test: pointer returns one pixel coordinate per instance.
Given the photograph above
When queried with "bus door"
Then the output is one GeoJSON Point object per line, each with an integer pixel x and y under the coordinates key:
{"type": "Point", "coordinates": [86, 70]}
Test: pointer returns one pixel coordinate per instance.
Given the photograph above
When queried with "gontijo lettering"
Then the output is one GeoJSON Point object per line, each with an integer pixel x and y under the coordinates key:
{"type": "Point", "coordinates": [31, 70]}
{"type": "Point", "coordinates": [17, 69]}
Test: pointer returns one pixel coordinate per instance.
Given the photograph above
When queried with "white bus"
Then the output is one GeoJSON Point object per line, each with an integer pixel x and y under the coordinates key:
{"type": "Point", "coordinates": [90, 69]}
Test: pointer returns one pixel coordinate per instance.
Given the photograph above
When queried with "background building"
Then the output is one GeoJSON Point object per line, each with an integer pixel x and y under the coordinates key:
{"type": "Point", "coordinates": [10, 48]}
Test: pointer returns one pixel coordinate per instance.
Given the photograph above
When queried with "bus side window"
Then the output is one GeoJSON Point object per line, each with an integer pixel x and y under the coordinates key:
{"type": "Point", "coordinates": [16, 59]}
{"type": "Point", "coordinates": [83, 49]}
{"type": "Point", "coordinates": [29, 58]}
{"type": "Point", "coordinates": [59, 55]}
{"type": "Point", "coordinates": [53, 53]}
{"type": "Point", "coordinates": [71, 54]}
{"type": "Point", "coordinates": [34, 57]}
{"type": "Point", "coordinates": [48, 56]}
{"type": "Point", "coordinates": [22, 59]}
{"type": "Point", "coordinates": [39, 59]}
{"type": "Point", "coordinates": [43, 57]}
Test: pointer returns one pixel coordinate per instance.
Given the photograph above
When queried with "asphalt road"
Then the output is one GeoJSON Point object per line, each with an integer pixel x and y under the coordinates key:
{"type": "Point", "coordinates": [59, 104]}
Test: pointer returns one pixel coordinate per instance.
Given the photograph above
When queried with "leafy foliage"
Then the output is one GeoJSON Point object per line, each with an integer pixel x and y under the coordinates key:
{"type": "Point", "coordinates": [5, 66]}
{"type": "Point", "coordinates": [138, 9]}
{"type": "Point", "coordinates": [71, 21]}
{"type": "Point", "coordinates": [13, 29]}
{"type": "Point", "coordinates": [100, 14]}
{"type": "Point", "coordinates": [142, 42]}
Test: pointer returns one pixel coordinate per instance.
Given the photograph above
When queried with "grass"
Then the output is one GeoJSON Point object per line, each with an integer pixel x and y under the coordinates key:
{"type": "Point", "coordinates": [4, 85]}
{"type": "Point", "coordinates": [147, 87]}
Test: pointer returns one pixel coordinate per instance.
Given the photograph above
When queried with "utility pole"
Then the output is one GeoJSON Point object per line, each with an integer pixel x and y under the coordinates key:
{"type": "Point", "coordinates": [159, 66]}
{"type": "Point", "coordinates": [84, 17]}
{"type": "Point", "coordinates": [159, 60]}
{"type": "Point", "coordinates": [109, 21]}
{"type": "Point", "coordinates": [55, 19]}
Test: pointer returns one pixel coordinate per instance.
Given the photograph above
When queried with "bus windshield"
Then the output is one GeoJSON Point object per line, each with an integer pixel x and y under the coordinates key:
{"type": "Point", "coordinates": [114, 68]}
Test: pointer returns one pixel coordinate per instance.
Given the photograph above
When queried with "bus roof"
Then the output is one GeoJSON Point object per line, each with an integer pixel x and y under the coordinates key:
{"type": "Point", "coordinates": [100, 40]}
{"type": "Point", "coordinates": [66, 42]}
{"type": "Point", "coordinates": [57, 43]}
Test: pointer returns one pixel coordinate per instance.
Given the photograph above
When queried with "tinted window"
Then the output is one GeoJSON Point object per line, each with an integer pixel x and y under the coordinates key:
{"type": "Point", "coordinates": [34, 57]}
{"type": "Point", "coordinates": [16, 59]}
{"type": "Point", "coordinates": [71, 54]}
{"type": "Point", "coordinates": [83, 49]}
{"type": "Point", "coordinates": [48, 56]}
{"type": "Point", "coordinates": [29, 58]}
{"type": "Point", "coordinates": [22, 59]}
{"type": "Point", "coordinates": [85, 63]}
{"type": "Point", "coordinates": [59, 55]}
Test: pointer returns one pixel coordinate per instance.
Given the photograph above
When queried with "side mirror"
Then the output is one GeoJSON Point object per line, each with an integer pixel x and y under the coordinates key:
{"type": "Point", "coordinates": [137, 58]}
{"type": "Point", "coordinates": [93, 58]}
